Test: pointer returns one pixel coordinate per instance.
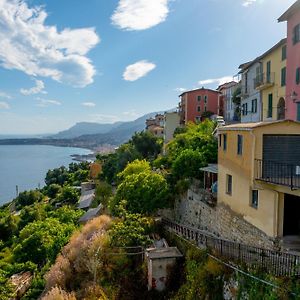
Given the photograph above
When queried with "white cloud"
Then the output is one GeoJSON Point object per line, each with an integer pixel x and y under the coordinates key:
{"type": "Point", "coordinates": [218, 81]}
{"type": "Point", "coordinates": [88, 104]}
{"type": "Point", "coordinates": [140, 14]}
{"type": "Point", "coordinates": [137, 70]}
{"type": "Point", "coordinates": [4, 95]}
{"type": "Point", "coordinates": [37, 89]}
{"type": "Point", "coordinates": [130, 113]}
{"type": "Point", "coordinates": [4, 105]}
{"type": "Point", "coordinates": [180, 90]}
{"type": "Point", "coordinates": [102, 118]}
{"type": "Point", "coordinates": [29, 45]}
{"type": "Point", "coordinates": [247, 3]}
{"type": "Point", "coordinates": [46, 102]}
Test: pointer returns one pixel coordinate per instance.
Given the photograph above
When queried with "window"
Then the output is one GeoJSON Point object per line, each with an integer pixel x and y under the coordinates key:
{"type": "Point", "coordinates": [254, 106]}
{"type": "Point", "coordinates": [296, 34]}
{"type": "Point", "coordinates": [283, 76]}
{"type": "Point", "coordinates": [198, 108]}
{"type": "Point", "coordinates": [239, 144]}
{"type": "Point", "coordinates": [199, 98]}
{"type": "Point", "coordinates": [246, 83]}
{"type": "Point", "coordinates": [245, 109]}
{"type": "Point", "coordinates": [298, 75]}
{"type": "Point", "coordinates": [220, 140]}
{"type": "Point", "coordinates": [268, 72]}
{"type": "Point", "coordinates": [254, 198]}
{"type": "Point", "coordinates": [228, 184]}
{"type": "Point", "coordinates": [270, 106]}
{"type": "Point", "coordinates": [298, 111]}
{"type": "Point", "coordinates": [283, 52]}
{"type": "Point", "coordinates": [198, 119]}
{"type": "Point", "coordinates": [205, 109]}
{"type": "Point", "coordinates": [224, 142]}
{"type": "Point", "coordinates": [205, 99]}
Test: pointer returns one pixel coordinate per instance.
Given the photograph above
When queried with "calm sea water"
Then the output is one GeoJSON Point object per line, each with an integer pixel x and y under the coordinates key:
{"type": "Point", "coordinates": [26, 166]}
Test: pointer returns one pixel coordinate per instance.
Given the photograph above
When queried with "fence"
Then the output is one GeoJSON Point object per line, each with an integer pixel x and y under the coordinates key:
{"type": "Point", "coordinates": [270, 261]}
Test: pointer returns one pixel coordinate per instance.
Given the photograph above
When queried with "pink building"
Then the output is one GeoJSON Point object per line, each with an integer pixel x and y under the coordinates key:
{"type": "Point", "coordinates": [292, 16]}
{"type": "Point", "coordinates": [196, 105]}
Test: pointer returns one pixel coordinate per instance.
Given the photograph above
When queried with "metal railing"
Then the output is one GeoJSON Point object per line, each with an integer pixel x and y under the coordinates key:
{"type": "Point", "coordinates": [264, 79]}
{"type": "Point", "coordinates": [278, 173]}
{"type": "Point", "coordinates": [270, 261]}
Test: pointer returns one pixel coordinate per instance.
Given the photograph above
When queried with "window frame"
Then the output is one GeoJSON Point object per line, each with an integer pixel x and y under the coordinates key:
{"type": "Point", "coordinates": [240, 141]}
{"type": "Point", "coordinates": [199, 98]}
{"type": "Point", "coordinates": [283, 53]}
{"type": "Point", "coordinates": [270, 106]}
{"type": "Point", "coordinates": [296, 34]}
{"type": "Point", "coordinates": [298, 75]}
{"type": "Point", "coordinates": [229, 184]}
{"type": "Point", "coordinates": [224, 141]}
{"type": "Point", "coordinates": [283, 76]}
{"type": "Point", "coordinates": [254, 202]}
{"type": "Point", "coordinates": [254, 101]}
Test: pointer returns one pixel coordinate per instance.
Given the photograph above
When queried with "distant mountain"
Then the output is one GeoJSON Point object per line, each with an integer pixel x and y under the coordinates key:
{"type": "Point", "coordinates": [83, 128]}
{"type": "Point", "coordinates": [113, 134]}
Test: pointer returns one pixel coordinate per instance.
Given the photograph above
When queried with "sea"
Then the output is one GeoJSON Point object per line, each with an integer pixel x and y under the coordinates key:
{"type": "Point", "coordinates": [25, 167]}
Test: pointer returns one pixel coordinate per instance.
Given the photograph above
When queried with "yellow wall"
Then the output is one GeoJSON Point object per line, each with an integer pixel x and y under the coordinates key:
{"type": "Point", "coordinates": [277, 90]}
{"type": "Point", "coordinates": [269, 215]}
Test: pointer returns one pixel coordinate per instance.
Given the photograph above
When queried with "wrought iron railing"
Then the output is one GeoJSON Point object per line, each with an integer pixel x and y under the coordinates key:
{"type": "Point", "coordinates": [278, 173]}
{"type": "Point", "coordinates": [270, 261]}
{"type": "Point", "coordinates": [264, 79]}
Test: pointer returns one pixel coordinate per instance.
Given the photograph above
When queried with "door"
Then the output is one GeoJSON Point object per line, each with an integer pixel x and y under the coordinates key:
{"type": "Point", "coordinates": [291, 221]}
{"type": "Point", "coordinates": [268, 72]}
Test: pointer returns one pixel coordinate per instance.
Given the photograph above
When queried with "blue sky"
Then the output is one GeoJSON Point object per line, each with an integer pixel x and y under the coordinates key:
{"type": "Point", "coordinates": [67, 61]}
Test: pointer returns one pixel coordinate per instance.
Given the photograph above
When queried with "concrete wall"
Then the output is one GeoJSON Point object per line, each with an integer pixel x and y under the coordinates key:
{"type": "Point", "coordinates": [172, 121]}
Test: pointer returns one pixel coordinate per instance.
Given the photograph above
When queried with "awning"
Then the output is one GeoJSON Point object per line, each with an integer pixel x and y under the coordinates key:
{"type": "Point", "coordinates": [211, 168]}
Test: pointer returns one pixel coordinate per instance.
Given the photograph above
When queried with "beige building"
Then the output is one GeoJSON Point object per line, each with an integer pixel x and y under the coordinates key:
{"type": "Point", "coordinates": [156, 125]}
{"type": "Point", "coordinates": [172, 121]}
{"type": "Point", "coordinates": [259, 175]}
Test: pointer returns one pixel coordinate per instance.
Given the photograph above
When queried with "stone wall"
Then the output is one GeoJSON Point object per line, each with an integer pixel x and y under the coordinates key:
{"type": "Point", "coordinates": [191, 210]}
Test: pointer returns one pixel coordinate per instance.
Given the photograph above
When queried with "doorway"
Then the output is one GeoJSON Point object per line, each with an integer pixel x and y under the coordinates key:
{"type": "Point", "coordinates": [291, 221]}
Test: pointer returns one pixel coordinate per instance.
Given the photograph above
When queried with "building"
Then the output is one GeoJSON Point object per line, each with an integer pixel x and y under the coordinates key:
{"type": "Point", "coordinates": [156, 125]}
{"type": "Point", "coordinates": [251, 105]}
{"type": "Point", "coordinates": [172, 121]}
{"type": "Point", "coordinates": [227, 108]}
{"type": "Point", "coordinates": [292, 16]}
{"type": "Point", "coordinates": [259, 175]}
{"type": "Point", "coordinates": [196, 105]}
{"type": "Point", "coordinates": [271, 81]}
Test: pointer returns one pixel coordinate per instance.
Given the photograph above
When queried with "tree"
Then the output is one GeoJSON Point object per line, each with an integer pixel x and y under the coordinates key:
{"type": "Point", "coordinates": [58, 176]}
{"type": "Point", "coordinates": [66, 214]}
{"type": "Point", "coordinates": [135, 167]}
{"type": "Point", "coordinates": [40, 241]}
{"type": "Point", "coordinates": [35, 212]}
{"type": "Point", "coordinates": [187, 164]}
{"type": "Point", "coordinates": [144, 192]}
{"type": "Point", "coordinates": [103, 193]}
{"type": "Point", "coordinates": [236, 99]}
{"type": "Point", "coordinates": [28, 198]}
{"type": "Point", "coordinates": [68, 195]}
{"type": "Point", "coordinates": [53, 190]}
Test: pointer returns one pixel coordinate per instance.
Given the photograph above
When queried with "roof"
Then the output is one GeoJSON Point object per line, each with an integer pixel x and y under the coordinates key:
{"type": "Point", "coordinates": [90, 214]}
{"type": "Point", "coordinates": [227, 85]}
{"type": "Point", "coordinates": [289, 12]}
{"type": "Point", "coordinates": [257, 59]}
{"type": "Point", "coordinates": [86, 199]}
{"type": "Point", "coordinates": [200, 89]}
{"type": "Point", "coordinates": [160, 253]}
{"type": "Point", "coordinates": [211, 168]}
{"type": "Point", "coordinates": [250, 126]}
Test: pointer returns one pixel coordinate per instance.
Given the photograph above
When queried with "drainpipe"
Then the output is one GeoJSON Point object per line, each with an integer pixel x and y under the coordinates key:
{"type": "Point", "coordinates": [253, 156]}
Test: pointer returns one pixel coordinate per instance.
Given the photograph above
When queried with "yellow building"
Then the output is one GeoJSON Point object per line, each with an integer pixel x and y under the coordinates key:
{"type": "Point", "coordinates": [270, 80]}
{"type": "Point", "coordinates": [259, 174]}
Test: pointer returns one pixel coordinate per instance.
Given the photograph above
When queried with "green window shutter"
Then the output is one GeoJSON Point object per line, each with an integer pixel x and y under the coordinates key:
{"type": "Point", "coordinates": [283, 53]}
{"type": "Point", "coordinates": [283, 76]}
{"type": "Point", "coordinates": [298, 76]}
{"type": "Point", "coordinates": [270, 105]}
{"type": "Point", "coordinates": [298, 111]}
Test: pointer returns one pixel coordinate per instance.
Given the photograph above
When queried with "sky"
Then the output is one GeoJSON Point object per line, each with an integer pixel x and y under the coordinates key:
{"type": "Point", "coordinates": [68, 61]}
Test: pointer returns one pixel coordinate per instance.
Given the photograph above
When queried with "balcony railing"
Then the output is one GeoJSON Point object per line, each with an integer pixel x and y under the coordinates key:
{"type": "Point", "coordinates": [264, 80]}
{"type": "Point", "coordinates": [278, 173]}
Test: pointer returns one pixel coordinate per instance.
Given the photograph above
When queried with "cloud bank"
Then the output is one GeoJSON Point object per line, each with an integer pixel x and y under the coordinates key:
{"type": "Point", "coordinates": [88, 104]}
{"type": "Point", "coordinates": [140, 14]}
{"type": "Point", "coordinates": [218, 81]}
{"type": "Point", "coordinates": [247, 3]}
{"type": "Point", "coordinates": [29, 45]}
{"type": "Point", "coordinates": [45, 102]}
{"type": "Point", "coordinates": [37, 89]}
{"type": "Point", "coordinates": [137, 70]}
{"type": "Point", "coordinates": [4, 105]}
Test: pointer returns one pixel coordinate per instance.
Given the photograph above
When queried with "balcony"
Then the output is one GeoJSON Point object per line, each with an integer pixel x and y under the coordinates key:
{"type": "Point", "coordinates": [264, 80]}
{"type": "Point", "coordinates": [278, 173]}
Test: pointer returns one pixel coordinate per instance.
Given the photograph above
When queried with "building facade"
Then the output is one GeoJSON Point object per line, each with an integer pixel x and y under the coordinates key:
{"type": "Point", "coordinates": [156, 125]}
{"type": "Point", "coordinates": [292, 16]}
{"type": "Point", "coordinates": [172, 121]}
{"type": "Point", "coordinates": [227, 108]}
{"type": "Point", "coordinates": [259, 180]}
{"type": "Point", "coordinates": [196, 105]}
{"type": "Point", "coordinates": [251, 105]}
{"type": "Point", "coordinates": [271, 82]}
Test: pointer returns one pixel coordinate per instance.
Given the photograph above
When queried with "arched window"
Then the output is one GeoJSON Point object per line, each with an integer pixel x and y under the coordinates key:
{"type": "Point", "coordinates": [281, 109]}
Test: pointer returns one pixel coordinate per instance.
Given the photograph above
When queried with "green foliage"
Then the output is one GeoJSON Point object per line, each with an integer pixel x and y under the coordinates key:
{"type": "Point", "coordinates": [207, 114]}
{"type": "Point", "coordinates": [28, 198]}
{"type": "Point", "coordinates": [103, 193]}
{"type": "Point", "coordinates": [57, 176]}
{"type": "Point", "coordinates": [198, 138]}
{"type": "Point", "coordinates": [187, 164]}
{"type": "Point", "coordinates": [40, 241]}
{"type": "Point", "coordinates": [35, 212]}
{"type": "Point", "coordinates": [6, 289]}
{"type": "Point", "coordinates": [135, 167]}
{"type": "Point", "coordinates": [66, 214]}
{"type": "Point", "coordinates": [144, 191]}
{"type": "Point", "coordinates": [131, 230]}
{"type": "Point", "coordinates": [68, 195]}
{"type": "Point", "coordinates": [8, 226]}
{"type": "Point", "coordinates": [53, 190]}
